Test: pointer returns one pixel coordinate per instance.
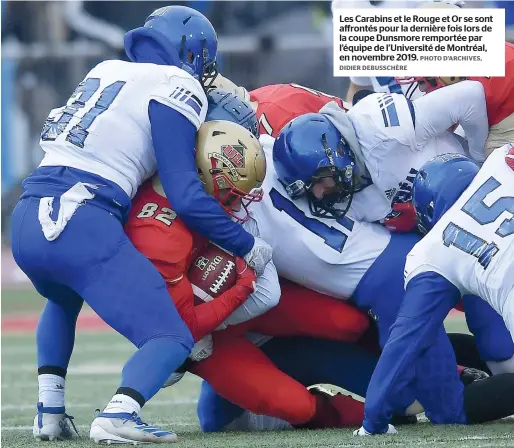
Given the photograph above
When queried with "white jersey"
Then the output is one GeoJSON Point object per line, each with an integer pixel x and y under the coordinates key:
{"type": "Point", "coordinates": [385, 128]}
{"type": "Point", "coordinates": [472, 245]}
{"type": "Point", "coordinates": [104, 128]}
{"type": "Point", "coordinates": [324, 255]}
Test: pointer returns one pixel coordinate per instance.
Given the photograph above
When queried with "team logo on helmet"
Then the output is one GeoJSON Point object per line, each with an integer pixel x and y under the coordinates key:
{"type": "Point", "coordinates": [232, 158]}
{"type": "Point", "coordinates": [234, 153]}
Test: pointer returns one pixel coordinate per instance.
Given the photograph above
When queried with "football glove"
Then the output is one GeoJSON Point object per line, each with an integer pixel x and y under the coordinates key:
{"type": "Point", "coordinates": [202, 349]}
{"type": "Point", "coordinates": [402, 218]}
{"type": "Point", "coordinates": [259, 256]}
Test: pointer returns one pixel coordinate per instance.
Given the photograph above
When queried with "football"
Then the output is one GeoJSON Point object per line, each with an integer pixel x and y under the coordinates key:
{"type": "Point", "coordinates": [212, 273]}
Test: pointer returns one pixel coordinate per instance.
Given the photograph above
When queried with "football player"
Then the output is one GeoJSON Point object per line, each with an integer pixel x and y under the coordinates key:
{"type": "Point", "coordinates": [328, 233]}
{"type": "Point", "coordinates": [153, 229]}
{"type": "Point", "coordinates": [124, 120]}
{"type": "Point", "coordinates": [157, 232]}
{"type": "Point", "coordinates": [468, 249]}
{"type": "Point", "coordinates": [393, 171]}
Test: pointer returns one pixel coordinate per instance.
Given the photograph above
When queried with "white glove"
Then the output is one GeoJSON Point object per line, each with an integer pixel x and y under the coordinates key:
{"type": "Point", "coordinates": [202, 349]}
{"type": "Point", "coordinates": [362, 432]}
{"type": "Point", "coordinates": [259, 256]}
{"type": "Point", "coordinates": [173, 378]}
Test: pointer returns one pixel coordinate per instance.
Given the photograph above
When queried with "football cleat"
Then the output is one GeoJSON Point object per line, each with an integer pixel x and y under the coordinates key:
{"type": "Point", "coordinates": [51, 424]}
{"type": "Point", "coordinates": [127, 428]}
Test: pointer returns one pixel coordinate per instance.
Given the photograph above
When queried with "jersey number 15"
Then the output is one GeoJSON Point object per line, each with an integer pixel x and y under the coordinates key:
{"type": "Point", "coordinates": [82, 94]}
{"type": "Point", "coordinates": [483, 214]}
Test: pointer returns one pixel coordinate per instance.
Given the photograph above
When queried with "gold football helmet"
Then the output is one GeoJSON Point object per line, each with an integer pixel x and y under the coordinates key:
{"type": "Point", "coordinates": [231, 164]}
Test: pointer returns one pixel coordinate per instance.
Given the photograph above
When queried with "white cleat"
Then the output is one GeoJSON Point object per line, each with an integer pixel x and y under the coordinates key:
{"type": "Point", "coordinates": [51, 424]}
{"type": "Point", "coordinates": [127, 428]}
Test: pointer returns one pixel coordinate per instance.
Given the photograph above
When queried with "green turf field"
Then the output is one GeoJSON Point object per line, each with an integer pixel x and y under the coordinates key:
{"type": "Point", "coordinates": [94, 375]}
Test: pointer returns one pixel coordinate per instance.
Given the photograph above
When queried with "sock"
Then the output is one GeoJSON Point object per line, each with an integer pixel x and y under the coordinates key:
{"type": "Point", "coordinates": [122, 404]}
{"type": "Point", "coordinates": [51, 390]}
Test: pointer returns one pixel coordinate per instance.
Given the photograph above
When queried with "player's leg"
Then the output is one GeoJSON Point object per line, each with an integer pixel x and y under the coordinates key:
{"type": "Point", "coordinates": [303, 312]}
{"type": "Point", "coordinates": [55, 337]}
{"type": "Point", "coordinates": [321, 361]}
{"type": "Point", "coordinates": [416, 329]}
{"type": "Point", "coordinates": [381, 290]}
{"type": "Point", "coordinates": [129, 294]}
{"type": "Point", "coordinates": [94, 257]}
{"type": "Point", "coordinates": [244, 375]}
{"type": "Point", "coordinates": [493, 340]}
{"type": "Point", "coordinates": [55, 333]}
{"type": "Point", "coordinates": [437, 383]}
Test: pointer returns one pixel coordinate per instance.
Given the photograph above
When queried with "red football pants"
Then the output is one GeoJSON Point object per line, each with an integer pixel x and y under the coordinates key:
{"type": "Point", "coordinates": [241, 373]}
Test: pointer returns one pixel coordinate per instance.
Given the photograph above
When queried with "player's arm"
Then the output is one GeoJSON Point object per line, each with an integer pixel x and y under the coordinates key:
{"type": "Point", "coordinates": [357, 83]}
{"type": "Point", "coordinates": [429, 298]}
{"type": "Point", "coordinates": [210, 315]}
{"type": "Point", "coordinates": [174, 123]}
{"type": "Point", "coordinates": [267, 289]}
{"type": "Point", "coordinates": [265, 297]}
{"type": "Point", "coordinates": [162, 245]}
{"type": "Point", "coordinates": [463, 103]}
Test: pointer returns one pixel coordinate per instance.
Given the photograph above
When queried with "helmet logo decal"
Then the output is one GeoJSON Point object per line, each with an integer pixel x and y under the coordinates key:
{"type": "Point", "coordinates": [234, 153]}
{"type": "Point", "coordinates": [226, 163]}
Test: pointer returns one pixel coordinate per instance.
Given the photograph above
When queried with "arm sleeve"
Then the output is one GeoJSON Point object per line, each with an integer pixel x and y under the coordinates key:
{"type": "Point", "coordinates": [265, 297]}
{"type": "Point", "coordinates": [173, 138]}
{"type": "Point", "coordinates": [267, 292]}
{"type": "Point", "coordinates": [428, 300]}
{"type": "Point", "coordinates": [463, 103]}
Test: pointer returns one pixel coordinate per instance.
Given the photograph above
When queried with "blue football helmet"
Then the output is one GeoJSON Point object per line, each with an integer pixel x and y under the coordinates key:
{"type": "Point", "coordinates": [438, 184]}
{"type": "Point", "coordinates": [192, 36]}
{"type": "Point", "coordinates": [309, 148]}
{"type": "Point", "coordinates": [226, 106]}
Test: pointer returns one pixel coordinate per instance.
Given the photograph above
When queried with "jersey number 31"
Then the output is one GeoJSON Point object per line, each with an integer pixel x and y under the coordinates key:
{"type": "Point", "coordinates": [83, 93]}
{"type": "Point", "coordinates": [483, 214]}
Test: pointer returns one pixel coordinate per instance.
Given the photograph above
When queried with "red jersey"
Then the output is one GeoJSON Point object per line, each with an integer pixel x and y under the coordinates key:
{"type": "Point", "coordinates": [278, 104]}
{"type": "Point", "coordinates": [157, 232]}
{"type": "Point", "coordinates": [499, 91]}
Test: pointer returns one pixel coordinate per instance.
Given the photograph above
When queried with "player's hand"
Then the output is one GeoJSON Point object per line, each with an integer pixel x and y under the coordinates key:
{"type": "Point", "coordinates": [202, 349]}
{"type": "Point", "coordinates": [402, 218]}
{"type": "Point", "coordinates": [245, 283]}
{"type": "Point", "coordinates": [362, 432]}
{"type": "Point", "coordinates": [259, 256]}
{"type": "Point", "coordinates": [509, 157]}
